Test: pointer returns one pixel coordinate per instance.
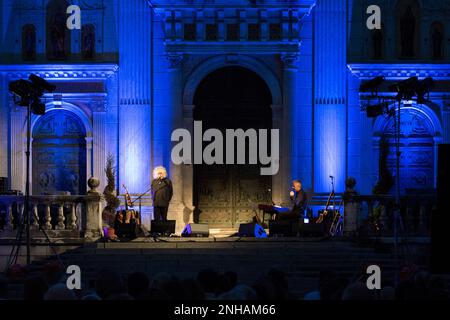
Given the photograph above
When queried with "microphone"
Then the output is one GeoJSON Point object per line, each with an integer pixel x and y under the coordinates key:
{"type": "Point", "coordinates": [331, 177]}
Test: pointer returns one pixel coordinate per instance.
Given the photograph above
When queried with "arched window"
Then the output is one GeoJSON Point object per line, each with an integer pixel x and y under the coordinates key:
{"type": "Point", "coordinates": [408, 26]}
{"type": "Point", "coordinates": [28, 42]}
{"type": "Point", "coordinates": [57, 34]}
{"type": "Point", "coordinates": [88, 41]}
{"type": "Point", "coordinates": [437, 40]}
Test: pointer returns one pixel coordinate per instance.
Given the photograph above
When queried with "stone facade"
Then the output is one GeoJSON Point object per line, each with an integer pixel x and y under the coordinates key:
{"type": "Point", "coordinates": [137, 82]}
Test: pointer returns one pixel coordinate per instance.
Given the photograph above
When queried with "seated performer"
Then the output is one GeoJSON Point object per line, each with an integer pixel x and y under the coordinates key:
{"type": "Point", "coordinates": [162, 192]}
{"type": "Point", "coordinates": [298, 199]}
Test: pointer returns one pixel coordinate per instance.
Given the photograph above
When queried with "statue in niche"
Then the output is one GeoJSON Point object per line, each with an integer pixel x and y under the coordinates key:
{"type": "Point", "coordinates": [58, 37]}
{"type": "Point", "coordinates": [436, 41]}
{"type": "Point", "coordinates": [29, 43]}
{"type": "Point", "coordinates": [377, 42]}
{"type": "Point", "coordinates": [88, 42]}
{"type": "Point", "coordinates": [407, 33]}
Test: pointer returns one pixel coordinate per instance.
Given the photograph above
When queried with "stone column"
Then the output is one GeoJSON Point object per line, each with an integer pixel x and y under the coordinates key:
{"type": "Point", "coordinates": [176, 208]}
{"type": "Point", "coordinates": [18, 136]}
{"type": "Point", "coordinates": [4, 110]}
{"type": "Point", "coordinates": [289, 103]}
{"type": "Point", "coordinates": [446, 121]}
{"type": "Point", "coordinates": [89, 157]}
{"type": "Point", "coordinates": [188, 170]}
{"type": "Point", "coordinates": [277, 180]}
{"type": "Point", "coordinates": [99, 124]}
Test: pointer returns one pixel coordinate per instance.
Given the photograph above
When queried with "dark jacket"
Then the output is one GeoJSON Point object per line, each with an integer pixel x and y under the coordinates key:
{"type": "Point", "coordinates": [299, 202]}
{"type": "Point", "coordinates": [162, 192]}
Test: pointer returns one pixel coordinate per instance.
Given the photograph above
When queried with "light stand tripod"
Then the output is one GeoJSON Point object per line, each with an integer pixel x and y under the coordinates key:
{"type": "Point", "coordinates": [24, 221]}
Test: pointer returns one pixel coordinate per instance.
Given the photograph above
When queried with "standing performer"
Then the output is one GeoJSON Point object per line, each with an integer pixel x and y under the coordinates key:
{"type": "Point", "coordinates": [298, 199]}
{"type": "Point", "coordinates": [162, 192]}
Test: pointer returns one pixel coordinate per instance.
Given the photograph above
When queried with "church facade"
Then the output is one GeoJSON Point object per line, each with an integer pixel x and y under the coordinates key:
{"type": "Point", "coordinates": [137, 70]}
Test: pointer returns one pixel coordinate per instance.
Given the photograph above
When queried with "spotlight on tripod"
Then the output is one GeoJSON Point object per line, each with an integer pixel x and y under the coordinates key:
{"type": "Point", "coordinates": [371, 85]}
{"type": "Point", "coordinates": [423, 88]}
{"type": "Point", "coordinates": [29, 93]}
{"type": "Point", "coordinates": [376, 110]}
{"type": "Point", "coordinates": [405, 89]}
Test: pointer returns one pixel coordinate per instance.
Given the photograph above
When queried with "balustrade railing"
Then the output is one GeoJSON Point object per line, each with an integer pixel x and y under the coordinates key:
{"type": "Point", "coordinates": [60, 215]}
{"type": "Point", "coordinates": [377, 212]}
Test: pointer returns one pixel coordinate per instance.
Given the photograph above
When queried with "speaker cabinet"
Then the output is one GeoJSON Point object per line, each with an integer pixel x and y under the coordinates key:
{"type": "Point", "coordinates": [195, 230]}
{"type": "Point", "coordinates": [164, 228]}
{"type": "Point", "coordinates": [285, 228]}
{"type": "Point", "coordinates": [251, 230]}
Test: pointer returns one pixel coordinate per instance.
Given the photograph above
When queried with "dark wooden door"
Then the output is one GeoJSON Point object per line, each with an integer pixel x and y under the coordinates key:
{"type": "Point", "coordinates": [59, 154]}
{"type": "Point", "coordinates": [225, 195]}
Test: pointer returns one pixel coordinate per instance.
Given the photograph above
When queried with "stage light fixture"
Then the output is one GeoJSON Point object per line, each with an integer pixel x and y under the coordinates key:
{"type": "Point", "coordinates": [406, 89]}
{"type": "Point", "coordinates": [41, 84]}
{"type": "Point", "coordinates": [371, 85]}
{"type": "Point", "coordinates": [376, 110]}
{"type": "Point", "coordinates": [38, 108]}
{"type": "Point", "coordinates": [423, 88]}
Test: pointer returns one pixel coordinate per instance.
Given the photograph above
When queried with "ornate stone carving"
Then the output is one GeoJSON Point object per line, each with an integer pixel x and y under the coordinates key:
{"type": "Point", "coordinates": [175, 60]}
{"type": "Point", "coordinates": [289, 60]}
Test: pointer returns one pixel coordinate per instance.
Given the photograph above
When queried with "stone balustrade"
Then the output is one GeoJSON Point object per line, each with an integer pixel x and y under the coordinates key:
{"type": "Point", "coordinates": [62, 216]}
{"type": "Point", "coordinates": [378, 210]}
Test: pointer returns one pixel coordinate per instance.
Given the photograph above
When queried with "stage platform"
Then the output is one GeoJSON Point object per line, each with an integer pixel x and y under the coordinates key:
{"type": "Point", "coordinates": [301, 259]}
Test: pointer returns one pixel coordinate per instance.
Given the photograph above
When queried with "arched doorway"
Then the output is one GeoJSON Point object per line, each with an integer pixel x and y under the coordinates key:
{"type": "Point", "coordinates": [59, 154]}
{"type": "Point", "coordinates": [417, 150]}
{"type": "Point", "coordinates": [230, 98]}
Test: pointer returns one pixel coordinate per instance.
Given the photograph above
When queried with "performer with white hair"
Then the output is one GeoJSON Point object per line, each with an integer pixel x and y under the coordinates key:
{"type": "Point", "coordinates": [162, 192]}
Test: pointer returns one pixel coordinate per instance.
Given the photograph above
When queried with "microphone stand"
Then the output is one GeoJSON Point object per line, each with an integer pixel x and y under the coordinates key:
{"type": "Point", "coordinates": [140, 197]}
{"type": "Point", "coordinates": [332, 192]}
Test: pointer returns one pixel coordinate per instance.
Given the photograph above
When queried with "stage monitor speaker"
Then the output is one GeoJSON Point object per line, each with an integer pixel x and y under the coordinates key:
{"type": "Point", "coordinates": [440, 219]}
{"type": "Point", "coordinates": [195, 230]}
{"type": "Point", "coordinates": [312, 229]}
{"type": "Point", "coordinates": [127, 230]}
{"type": "Point", "coordinates": [251, 230]}
{"type": "Point", "coordinates": [165, 228]}
{"type": "Point", "coordinates": [285, 228]}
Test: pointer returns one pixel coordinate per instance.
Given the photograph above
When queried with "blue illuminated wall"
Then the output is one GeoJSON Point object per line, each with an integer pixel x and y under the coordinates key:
{"type": "Point", "coordinates": [135, 83]}
{"type": "Point", "coordinates": [330, 94]}
{"type": "Point", "coordinates": [302, 126]}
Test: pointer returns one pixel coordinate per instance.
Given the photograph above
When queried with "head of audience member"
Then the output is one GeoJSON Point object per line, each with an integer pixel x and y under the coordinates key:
{"type": "Point", "coordinates": [91, 296]}
{"type": "Point", "coordinates": [358, 291]}
{"type": "Point", "coordinates": [265, 289]}
{"type": "Point", "coordinates": [328, 284]}
{"type": "Point", "coordinates": [159, 279]}
{"type": "Point", "coordinates": [239, 292]}
{"type": "Point", "coordinates": [193, 289]}
{"type": "Point", "coordinates": [138, 284]}
{"type": "Point", "coordinates": [278, 278]}
{"type": "Point", "coordinates": [35, 288]}
{"type": "Point", "coordinates": [173, 289]}
{"type": "Point", "coordinates": [120, 296]}
{"type": "Point", "coordinates": [60, 292]}
{"type": "Point", "coordinates": [209, 280]}
{"type": "Point", "coordinates": [232, 278]}
{"type": "Point", "coordinates": [109, 283]}
{"type": "Point", "coordinates": [223, 285]}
